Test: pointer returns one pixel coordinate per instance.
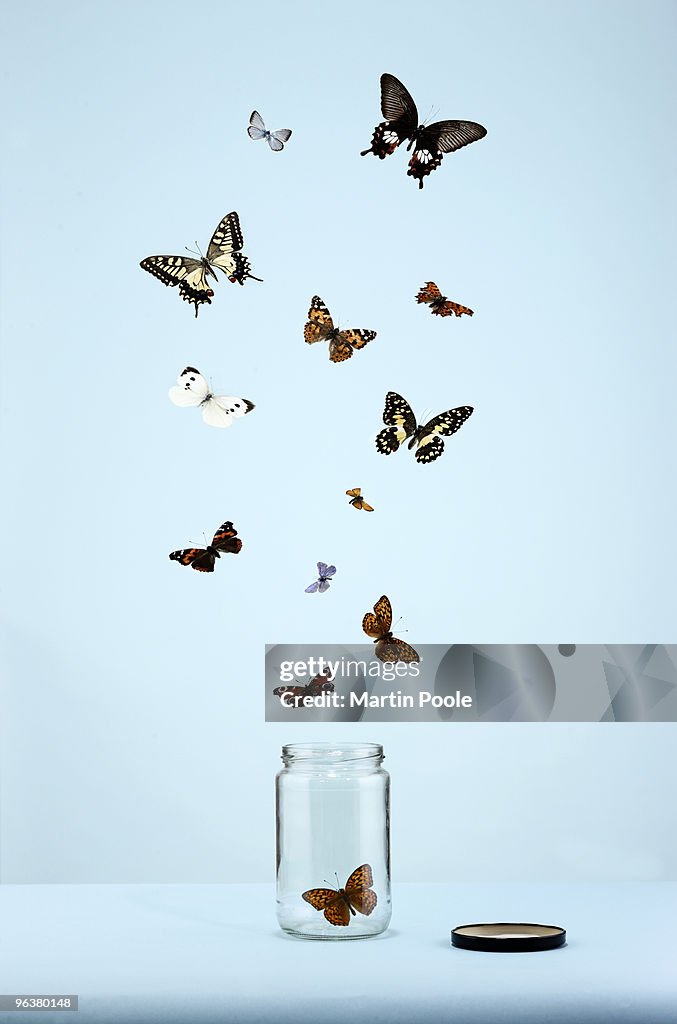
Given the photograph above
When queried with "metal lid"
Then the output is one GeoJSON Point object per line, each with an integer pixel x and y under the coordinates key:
{"type": "Point", "coordinates": [508, 937]}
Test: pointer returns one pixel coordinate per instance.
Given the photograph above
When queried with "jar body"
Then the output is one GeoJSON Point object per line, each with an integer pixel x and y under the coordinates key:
{"type": "Point", "coordinates": [333, 817]}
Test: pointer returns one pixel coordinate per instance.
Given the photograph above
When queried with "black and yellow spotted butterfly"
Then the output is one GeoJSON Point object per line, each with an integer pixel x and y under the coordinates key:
{"type": "Point", "coordinates": [320, 327]}
{"type": "Point", "coordinates": [339, 904]}
{"type": "Point", "coordinates": [223, 253]}
{"type": "Point", "coordinates": [427, 437]}
{"type": "Point", "coordinates": [379, 627]}
{"type": "Point", "coordinates": [430, 142]}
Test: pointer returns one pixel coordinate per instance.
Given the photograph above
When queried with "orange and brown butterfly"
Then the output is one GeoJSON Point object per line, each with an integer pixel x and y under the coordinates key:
{"type": "Point", "coordinates": [439, 303]}
{"type": "Point", "coordinates": [378, 627]}
{"type": "Point", "coordinates": [357, 501]}
{"type": "Point", "coordinates": [339, 904]}
{"type": "Point", "coordinates": [320, 327]}
{"type": "Point", "coordinates": [293, 695]}
{"type": "Point", "coordinates": [204, 559]}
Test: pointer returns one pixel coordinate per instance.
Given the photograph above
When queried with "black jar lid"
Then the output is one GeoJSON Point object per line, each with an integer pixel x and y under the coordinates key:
{"type": "Point", "coordinates": [508, 937]}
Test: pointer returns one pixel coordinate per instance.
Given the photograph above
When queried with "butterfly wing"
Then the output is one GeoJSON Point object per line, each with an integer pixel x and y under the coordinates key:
{"type": "Point", "coordinates": [401, 118]}
{"type": "Point", "coordinates": [370, 626]}
{"type": "Point", "coordinates": [190, 275]}
{"type": "Point", "coordinates": [338, 913]}
{"type": "Point", "coordinates": [429, 293]}
{"type": "Point", "coordinates": [226, 539]}
{"type": "Point", "coordinates": [436, 140]}
{"type": "Point", "coordinates": [363, 900]}
{"type": "Point", "coordinates": [355, 492]}
{"type": "Point", "coordinates": [276, 140]}
{"type": "Point", "coordinates": [224, 250]}
{"type": "Point", "coordinates": [447, 307]}
{"type": "Point", "coordinates": [191, 388]}
{"type": "Point", "coordinates": [359, 890]}
{"type": "Point", "coordinates": [378, 624]}
{"type": "Point", "coordinates": [361, 878]}
{"type": "Point", "coordinates": [221, 410]}
{"type": "Point", "coordinates": [329, 571]}
{"type": "Point", "coordinates": [331, 902]}
{"type": "Point", "coordinates": [322, 585]}
{"type": "Point", "coordinates": [397, 103]}
{"type": "Point", "coordinates": [363, 505]}
{"type": "Point", "coordinates": [401, 424]}
{"type": "Point", "coordinates": [197, 558]}
{"type": "Point", "coordinates": [320, 324]}
{"type": "Point", "coordinates": [449, 136]}
{"type": "Point", "coordinates": [384, 614]}
{"type": "Point", "coordinates": [430, 445]}
{"type": "Point", "coordinates": [394, 650]}
{"type": "Point", "coordinates": [341, 347]}
{"type": "Point", "coordinates": [257, 129]}
{"type": "Point", "coordinates": [313, 588]}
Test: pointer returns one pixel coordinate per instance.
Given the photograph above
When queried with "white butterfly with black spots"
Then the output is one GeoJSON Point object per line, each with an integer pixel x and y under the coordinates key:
{"type": "Point", "coordinates": [217, 410]}
{"type": "Point", "coordinates": [257, 130]}
{"type": "Point", "coordinates": [223, 253]}
{"type": "Point", "coordinates": [401, 424]}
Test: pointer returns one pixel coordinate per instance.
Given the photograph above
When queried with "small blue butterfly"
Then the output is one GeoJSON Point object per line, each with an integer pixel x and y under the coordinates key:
{"type": "Point", "coordinates": [325, 572]}
{"type": "Point", "coordinates": [258, 130]}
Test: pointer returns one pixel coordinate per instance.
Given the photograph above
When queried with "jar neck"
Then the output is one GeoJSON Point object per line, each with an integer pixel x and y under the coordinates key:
{"type": "Point", "coordinates": [332, 757]}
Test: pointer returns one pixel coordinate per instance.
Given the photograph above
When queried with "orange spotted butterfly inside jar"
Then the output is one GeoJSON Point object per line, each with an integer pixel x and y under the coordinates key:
{"type": "Point", "coordinates": [333, 841]}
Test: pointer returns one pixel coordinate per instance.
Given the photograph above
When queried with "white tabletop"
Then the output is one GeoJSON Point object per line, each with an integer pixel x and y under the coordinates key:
{"type": "Point", "coordinates": [208, 953]}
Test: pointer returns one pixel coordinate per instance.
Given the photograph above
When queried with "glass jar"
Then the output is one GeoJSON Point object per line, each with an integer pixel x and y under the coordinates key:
{"type": "Point", "coordinates": [333, 841]}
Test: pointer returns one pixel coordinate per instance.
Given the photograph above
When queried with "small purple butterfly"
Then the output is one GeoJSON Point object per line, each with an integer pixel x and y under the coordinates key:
{"type": "Point", "coordinates": [325, 572]}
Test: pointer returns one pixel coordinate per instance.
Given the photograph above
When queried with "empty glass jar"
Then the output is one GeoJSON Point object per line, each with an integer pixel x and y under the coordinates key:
{"type": "Point", "coordinates": [333, 841]}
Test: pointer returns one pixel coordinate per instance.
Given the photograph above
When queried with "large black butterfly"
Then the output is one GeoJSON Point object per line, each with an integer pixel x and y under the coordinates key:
{"type": "Point", "coordinates": [191, 275]}
{"type": "Point", "coordinates": [401, 424]}
{"type": "Point", "coordinates": [430, 142]}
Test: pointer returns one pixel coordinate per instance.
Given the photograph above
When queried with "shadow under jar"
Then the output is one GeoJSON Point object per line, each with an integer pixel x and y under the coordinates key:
{"type": "Point", "coordinates": [333, 841]}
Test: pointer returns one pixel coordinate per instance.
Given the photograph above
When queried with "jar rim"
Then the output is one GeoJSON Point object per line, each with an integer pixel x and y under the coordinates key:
{"type": "Point", "coordinates": [333, 753]}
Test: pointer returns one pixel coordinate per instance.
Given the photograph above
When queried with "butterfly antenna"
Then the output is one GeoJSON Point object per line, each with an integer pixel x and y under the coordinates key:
{"type": "Point", "coordinates": [429, 116]}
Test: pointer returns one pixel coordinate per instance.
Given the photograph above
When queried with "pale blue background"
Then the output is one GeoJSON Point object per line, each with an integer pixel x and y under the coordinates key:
{"type": "Point", "coordinates": [134, 747]}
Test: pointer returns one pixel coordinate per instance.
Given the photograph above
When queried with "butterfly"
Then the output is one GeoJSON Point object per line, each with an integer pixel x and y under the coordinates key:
{"type": "Point", "coordinates": [339, 904]}
{"type": "Point", "coordinates": [430, 142]}
{"type": "Point", "coordinates": [217, 410]}
{"type": "Point", "coordinates": [357, 501]}
{"type": "Point", "coordinates": [257, 130]}
{"type": "Point", "coordinates": [204, 559]}
{"type": "Point", "coordinates": [223, 253]}
{"type": "Point", "coordinates": [320, 327]}
{"type": "Point", "coordinates": [378, 627]}
{"type": "Point", "coordinates": [401, 424]}
{"type": "Point", "coordinates": [439, 303]}
{"type": "Point", "coordinates": [325, 572]}
{"type": "Point", "coordinates": [293, 695]}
